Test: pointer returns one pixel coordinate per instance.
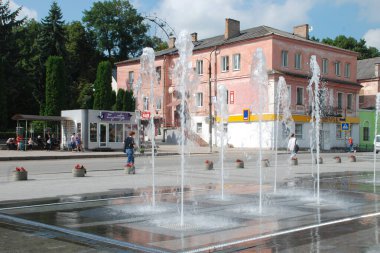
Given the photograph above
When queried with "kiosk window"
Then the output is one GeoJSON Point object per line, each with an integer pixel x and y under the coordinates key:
{"type": "Point", "coordinates": [111, 132]}
{"type": "Point", "coordinates": [119, 133]}
{"type": "Point", "coordinates": [93, 132]}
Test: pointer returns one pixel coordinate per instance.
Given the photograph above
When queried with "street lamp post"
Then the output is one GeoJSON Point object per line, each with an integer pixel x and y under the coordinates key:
{"type": "Point", "coordinates": [209, 106]}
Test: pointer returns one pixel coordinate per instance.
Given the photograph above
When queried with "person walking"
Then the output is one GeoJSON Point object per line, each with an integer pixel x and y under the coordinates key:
{"type": "Point", "coordinates": [351, 144]}
{"type": "Point", "coordinates": [129, 144]}
{"type": "Point", "coordinates": [293, 146]}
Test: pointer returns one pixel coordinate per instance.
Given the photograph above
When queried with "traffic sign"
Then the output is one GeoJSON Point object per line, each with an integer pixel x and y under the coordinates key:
{"type": "Point", "coordinates": [345, 126]}
{"type": "Point", "coordinates": [245, 114]}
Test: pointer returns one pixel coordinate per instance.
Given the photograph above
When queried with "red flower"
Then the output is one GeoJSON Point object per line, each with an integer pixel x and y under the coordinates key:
{"type": "Point", "coordinates": [79, 167]}
{"type": "Point", "coordinates": [19, 169]}
{"type": "Point", "coordinates": [208, 161]}
{"type": "Point", "coordinates": [238, 161]}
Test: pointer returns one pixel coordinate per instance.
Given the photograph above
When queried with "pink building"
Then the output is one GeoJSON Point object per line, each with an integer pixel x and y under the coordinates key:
{"type": "Point", "coordinates": [227, 60]}
{"type": "Point", "coordinates": [369, 78]}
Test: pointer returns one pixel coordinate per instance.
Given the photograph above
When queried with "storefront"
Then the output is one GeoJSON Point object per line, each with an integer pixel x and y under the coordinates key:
{"type": "Point", "coordinates": [98, 129]}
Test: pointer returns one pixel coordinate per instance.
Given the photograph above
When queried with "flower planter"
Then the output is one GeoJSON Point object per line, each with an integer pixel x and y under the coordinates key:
{"type": "Point", "coordinates": [79, 172]}
{"type": "Point", "coordinates": [130, 169]}
{"type": "Point", "coordinates": [294, 161]}
{"type": "Point", "coordinates": [20, 175]}
{"type": "Point", "coordinates": [337, 159]}
{"type": "Point", "coordinates": [320, 160]}
{"type": "Point", "coordinates": [240, 165]}
{"type": "Point", "coordinates": [352, 158]}
{"type": "Point", "coordinates": [209, 165]}
{"type": "Point", "coordinates": [265, 163]}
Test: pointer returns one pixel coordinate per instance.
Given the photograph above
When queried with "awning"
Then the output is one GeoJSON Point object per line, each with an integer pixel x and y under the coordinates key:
{"type": "Point", "coordinates": [174, 103]}
{"type": "Point", "coordinates": [39, 117]}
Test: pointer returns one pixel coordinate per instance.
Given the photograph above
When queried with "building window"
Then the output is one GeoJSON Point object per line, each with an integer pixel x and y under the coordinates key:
{"type": "Point", "coordinates": [340, 100]}
{"type": "Point", "coordinates": [337, 68]}
{"type": "Point", "coordinates": [361, 99]}
{"type": "Point", "coordinates": [290, 94]}
{"type": "Point", "coordinates": [119, 133]}
{"type": "Point", "coordinates": [298, 131]}
{"type": "Point", "coordinates": [236, 58]}
{"type": "Point", "coordinates": [325, 66]}
{"type": "Point", "coordinates": [225, 127]}
{"type": "Point", "coordinates": [199, 99]}
{"type": "Point", "coordinates": [146, 103]}
{"type": "Point", "coordinates": [298, 60]}
{"type": "Point", "coordinates": [199, 127]}
{"type": "Point", "coordinates": [158, 103]}
{"type": "Point", "coordinates": [299, 96]}
{"type": "Point", "coordinates": [284, 58]}
{"type": "Point", "coordinates": [225, 63]}
{"type": "Point", "coordinates": [366, 131]}
{"type": "Point", "coordinates": [131, 78]}
{"type": "Point", "coordinates": [339, 132]}
{"type": "Point", "coordinates": [199, 67]}
{"type": "Point", "coordinates": [93, 132]}
{"type": "Point", "coordinates": [158, 73]}
{"type": "Point", "coordinates": [111, 132]}
{"type": "Point", "coordinates": [347, 71]}
{"type": "Point", "coordinates": [285, 131]}
{"type": "Point", "coordinates": [349, 101]}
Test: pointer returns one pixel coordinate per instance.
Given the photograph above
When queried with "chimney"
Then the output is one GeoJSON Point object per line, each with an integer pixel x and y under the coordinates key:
{"type": "Point", "coordinates": [171, 42]}
{"type": "Point", "coordinates": [301, 31]}
{"type": "Point", "coordinates": [377, 69]}
{"type": "Point", "coordinates": [194, 37]}
{"type": "Point", "coordinates": [232, 28]}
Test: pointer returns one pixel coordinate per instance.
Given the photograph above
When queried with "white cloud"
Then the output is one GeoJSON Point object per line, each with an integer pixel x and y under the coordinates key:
{"type": "Point", "coordinates": [372, 37]}
{"type": "Point", "coordinates": [24, 12]}
{"type": "Point", "coordinates": [367, 9]}
{"type": "Point", "coordinates": [207, 18]}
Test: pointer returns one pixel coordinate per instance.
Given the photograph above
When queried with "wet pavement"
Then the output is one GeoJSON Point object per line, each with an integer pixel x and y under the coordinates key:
{"type": "Point", "coordinates": [344, 219]}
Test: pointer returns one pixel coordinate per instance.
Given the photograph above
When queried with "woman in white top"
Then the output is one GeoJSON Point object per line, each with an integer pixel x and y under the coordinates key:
{"type": "Point", "coordinates": [292, 146]}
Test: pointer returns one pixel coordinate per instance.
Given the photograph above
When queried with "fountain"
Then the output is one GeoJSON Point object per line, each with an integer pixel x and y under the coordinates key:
{"type": "Point", "coordinates": [283, 105]}
{"type": "Point", "coordinates": [315, 120]}
{"type": "Point", "coordinates": [259, 82]}
{"type": "Point", "coordinates": [374, 148]}
{"type": "Point", "coordinates": [222, 110]}
{"type": "Point", "coordinates": [148, 75]}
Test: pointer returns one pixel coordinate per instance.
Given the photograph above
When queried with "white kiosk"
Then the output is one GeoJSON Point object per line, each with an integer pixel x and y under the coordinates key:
{"type": "Point", "coordinates": [98, 129]}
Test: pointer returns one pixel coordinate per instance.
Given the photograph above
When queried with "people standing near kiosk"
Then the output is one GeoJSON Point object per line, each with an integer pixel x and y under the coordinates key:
{"type": "Point", "coordinates": [129, 144]}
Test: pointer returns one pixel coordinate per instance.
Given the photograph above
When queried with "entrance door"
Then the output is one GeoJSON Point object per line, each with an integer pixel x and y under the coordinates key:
{"type": "Point", "coordinates": [103, 135]}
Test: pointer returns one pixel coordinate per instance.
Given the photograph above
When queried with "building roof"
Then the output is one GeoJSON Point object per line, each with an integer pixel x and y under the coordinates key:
{"type": "Point", "coordinates": [366, 68]}
{"type": "Point", "coordinates": [38, 117]}
{"type": "Point", "coordinates": [247, 34]}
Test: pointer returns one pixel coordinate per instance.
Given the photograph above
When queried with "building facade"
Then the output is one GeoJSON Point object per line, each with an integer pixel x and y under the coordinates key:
{"type": "Point", "coordinates": [227, 60]}
{"type": "Point", "coordinates": [369, 77]}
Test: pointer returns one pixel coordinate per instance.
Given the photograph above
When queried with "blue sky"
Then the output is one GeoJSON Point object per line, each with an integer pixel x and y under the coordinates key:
{"type": "Point", "coordinates": [328, 18]}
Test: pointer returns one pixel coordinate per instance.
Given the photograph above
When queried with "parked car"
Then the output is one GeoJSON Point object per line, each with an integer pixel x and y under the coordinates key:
{"type": "Point", "coordinates": [377, 143]}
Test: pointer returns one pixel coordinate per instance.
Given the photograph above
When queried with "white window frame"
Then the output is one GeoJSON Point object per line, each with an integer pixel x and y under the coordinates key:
{"type": "Point", "coordinates": [303, 95]}
{"type": "Point", "coordinates": [236, 61]}
{"type": "Point", "coordinates": [158, 73]}
{"type": "Point", "coordinates": [298, 61]}
{"type": "Point", "coordinates": [337, 100]}
{"type": "Point", "coordinates": [348, 104]}
{"type": "Point", "coordinates": [199, 127]}
{"type": "Point", "coordinates": [199, 99]}
{"type": "Point", "coordinates": [347, 70]}
{"type": "Point", "coordinates": [298, 135]}
{"type": "Point", "coordinates": [225, 63]}
{"type": "Point", "coordinates": [199, 67]}
{"type": "Point", "coordinates": [159, 103]}
{"type": "Point", "coordinates": [146, 103]}
{"type": "Point", "coordinates": [284, 58]}
{"type": "Point", "coordinates": [338, 132]}
{"type": "Point", "coordinates": [131, 77]}
{"type": "Point", "coordinates": [337, 68]}
{"type": "Point", "coordinates": [325, 66]}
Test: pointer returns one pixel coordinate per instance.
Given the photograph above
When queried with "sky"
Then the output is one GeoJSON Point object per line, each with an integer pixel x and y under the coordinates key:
{"type": "Point", "coordinates": [327, 18]}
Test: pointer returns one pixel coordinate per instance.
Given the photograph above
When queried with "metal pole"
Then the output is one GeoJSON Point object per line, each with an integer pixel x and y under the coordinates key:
{"type": "Point", "coordinates": [210, 106]}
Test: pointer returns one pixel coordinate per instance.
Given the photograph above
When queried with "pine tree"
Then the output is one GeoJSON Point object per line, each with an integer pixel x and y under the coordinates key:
{"type": "Point", "coordinates": [103, 87]}
{"type": "Point", "coordinates": [119, 100]}
{"type": "Point", "coordinates": [128, 101]}
{"type": "Point", "coordinates": [3, 100]}
{"type": "Point", "coordinates": [56, 92]}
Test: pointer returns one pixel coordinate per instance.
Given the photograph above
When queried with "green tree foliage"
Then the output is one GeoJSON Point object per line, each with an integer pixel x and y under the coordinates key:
{"type": "Point", "coordinates": [51, 41]}
{"type": "Point", "coordinates": [86, 96]}
{"type": "Point", "coordinates": [352, 44]}
{"type": "Point", "coordinates": [129, 101]}
{"type": "Point", "coordinates": [113, 99]}
{"type": "Point", "coordinates": [119, 100]}
{"type": "Point", "coordinates": [103, 87]}
{"type": "Point", "coordinates": [56, 91]}
{"type": "Point", "coordinates": [122, 37]}
{"type": "Point", "coordinates": [10, 86]}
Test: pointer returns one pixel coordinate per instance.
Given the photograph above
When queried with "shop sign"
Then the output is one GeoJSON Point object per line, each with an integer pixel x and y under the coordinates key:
{"type": "Point", "coordinates": [115, 116]}
{"type": "Point", "coordinates": [145, 115]}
